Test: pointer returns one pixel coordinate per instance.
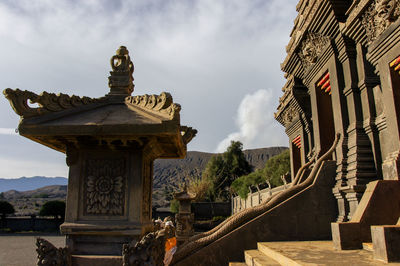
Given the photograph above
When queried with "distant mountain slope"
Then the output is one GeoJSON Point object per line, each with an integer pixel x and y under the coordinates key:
{"type": "Point", "coordinates": [54, 191]}
{"type": "Point", "coordinates": [30, 183]}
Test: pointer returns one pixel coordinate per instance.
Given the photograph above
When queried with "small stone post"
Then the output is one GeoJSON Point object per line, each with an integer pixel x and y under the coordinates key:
{"type": "Point", "coordinates": [184, 218]}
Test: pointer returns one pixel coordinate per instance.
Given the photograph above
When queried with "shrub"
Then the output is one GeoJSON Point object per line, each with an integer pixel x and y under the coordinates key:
{"type": "Point", "coordinates": [242, 184]}
{"type": "Point", "coordinates": [174, 206]}
{"type": "Point", "coordinates": [200, 187]}
{"type": "Point", "coordinates": [6, 208]}
{"type": "Point", "coordinates": [54, 208]}
{"type": "Point", "coordinates": [41, 195]}
{"type": "Point", "coordinates": [274, 168]}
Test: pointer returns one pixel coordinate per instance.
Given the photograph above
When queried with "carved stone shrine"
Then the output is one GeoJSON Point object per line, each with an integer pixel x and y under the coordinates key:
{"type": "Point", "coordinates": [184, 218]}
{"type": "Point", "coordinates": [110, 145]}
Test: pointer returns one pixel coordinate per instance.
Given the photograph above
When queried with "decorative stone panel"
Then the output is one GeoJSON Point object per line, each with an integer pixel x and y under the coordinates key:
{"type": "Point", "coordinates": [379, 15]}
{"type": "Point", "coordinates": [311, 48]}
{"type": "Point", "coordinates": [104, 186]}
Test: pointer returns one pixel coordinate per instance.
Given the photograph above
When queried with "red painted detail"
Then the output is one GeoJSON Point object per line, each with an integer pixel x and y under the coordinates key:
{"type": "Point", "coordinates": [296, 139]}
{"type": "Point", "coordinates": [297, 142]}
{"type": "Point", "coordinates": [395, 62]}
{"type": "Point", "coordinates": [324, 78]}
{"type": "Point", "coordinates": [328, 89]}
{"type": "Point", "coordinates": [326, 84]}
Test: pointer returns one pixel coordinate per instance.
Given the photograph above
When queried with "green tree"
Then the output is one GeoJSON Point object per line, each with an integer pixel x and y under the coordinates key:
{"type": "Point", "coordinates": [242, 184]}
{"type": "Point", "coordinates": [54, 208]}
{"type": "Point", "coordinates": [6, 208]}
{"type": "Point", "coordinates": [223, 169]}
{"type": "Point", "coordinates": [276, 167]}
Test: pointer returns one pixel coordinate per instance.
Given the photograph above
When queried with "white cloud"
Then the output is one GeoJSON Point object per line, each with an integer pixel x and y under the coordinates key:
{"type": "Point", "coordinates": [7, 131]}
{"type": "Point", "coordinates": [15, 168]}
{"type": "Point", "coordinates": [206, 53]}
{"type": "Point", "coordinates": [257, 127]}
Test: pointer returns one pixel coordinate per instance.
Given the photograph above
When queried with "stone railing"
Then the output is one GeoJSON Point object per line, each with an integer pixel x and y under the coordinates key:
{"type": "Point", "coordinates": [255, 198]}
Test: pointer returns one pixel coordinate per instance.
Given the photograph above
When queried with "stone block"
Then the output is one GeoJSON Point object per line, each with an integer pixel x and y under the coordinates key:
{"type": "Point", "coordinates": [346, 236]}
{"type": "Point", "coordinates": [386, 242]}
{"type": "Point", "coordinates": [380, 205]}
{"type": "Point", "coordinates": [81, 260]}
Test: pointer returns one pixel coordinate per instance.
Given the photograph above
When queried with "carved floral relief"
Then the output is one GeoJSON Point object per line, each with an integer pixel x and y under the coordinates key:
{"type": "Point", "coordinates": [104, 186]}
{"type": "Point", "coordinates": [379, 16]}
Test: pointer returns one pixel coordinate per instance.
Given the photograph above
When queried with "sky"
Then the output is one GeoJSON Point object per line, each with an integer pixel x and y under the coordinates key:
{"type": "Point", "coordinates": [220, 60]}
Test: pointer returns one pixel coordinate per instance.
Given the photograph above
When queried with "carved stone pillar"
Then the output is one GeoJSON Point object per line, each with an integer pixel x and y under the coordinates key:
{"type": "Point", "coordinates": [184, 218]}
{"type": "Point", "coordinates": [108, 199]}
{"type": "Point", "coordinates": [360, 164]}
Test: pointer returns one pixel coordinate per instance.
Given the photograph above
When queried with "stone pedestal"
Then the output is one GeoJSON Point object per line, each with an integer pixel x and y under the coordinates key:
{"type": "Point", "coordinates": [109, 198]}
{"type": "Point", "coordinates": [184, 218]}
{"type": "Point", "coordinates": [386, 242]}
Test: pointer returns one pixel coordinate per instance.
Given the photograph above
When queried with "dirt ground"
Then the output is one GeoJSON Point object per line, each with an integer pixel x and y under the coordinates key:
{"type": "Point", "coordinates": [20, 249]}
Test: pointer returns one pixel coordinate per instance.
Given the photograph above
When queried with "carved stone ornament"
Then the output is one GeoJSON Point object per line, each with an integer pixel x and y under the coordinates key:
{"type": "Point", "coordinates": [149, 251]}
{"type": "Point", "coordinates": [188, 133]}
{"type": "Point", "coordinates": [289, 115]}
{"type": "Point", "coordinates": [311, 48]}
{"type": "Point", "coordinates": [378, 16]}
{"type": "Point", "coordinates": [160, 104]}
{"type": "Point", "coordinates": [48, 102]}
{"type": "Point", "coordinates": [121, 79]}
{"type": "Point", "coordinates": [104, 187]}
{"type": "Point", "coordinates": [49, 255]}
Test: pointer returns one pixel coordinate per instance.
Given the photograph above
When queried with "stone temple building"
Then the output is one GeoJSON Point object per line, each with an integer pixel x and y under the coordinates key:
{"type": "Point", "coordinates": [342, 76]}
{"type": "Point", "coordinates": [342, 70]}
{"type": "Point", "coordinates": [341, 111]}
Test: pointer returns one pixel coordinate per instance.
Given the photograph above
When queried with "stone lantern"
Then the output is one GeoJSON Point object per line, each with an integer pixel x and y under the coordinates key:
{"type": "Point", "coordinates": [110, 145]}
{"type": "Point", "coordinates": [184, 218]}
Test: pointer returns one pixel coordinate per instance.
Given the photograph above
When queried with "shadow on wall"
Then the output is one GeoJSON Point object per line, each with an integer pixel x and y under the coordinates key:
{"type": "Point", "coordinates": [15, 224]}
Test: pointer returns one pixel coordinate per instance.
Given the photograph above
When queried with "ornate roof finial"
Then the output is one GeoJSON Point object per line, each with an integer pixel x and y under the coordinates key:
{"type": "Point", "coordinates": [121, 79]}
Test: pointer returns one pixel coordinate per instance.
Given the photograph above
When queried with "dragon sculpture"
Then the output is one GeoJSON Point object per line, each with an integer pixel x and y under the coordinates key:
{"type": "Point", "coordinates": [199, 241]}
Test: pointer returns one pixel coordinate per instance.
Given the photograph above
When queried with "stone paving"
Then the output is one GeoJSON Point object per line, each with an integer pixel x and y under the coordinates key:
{"type": "Point", "coordinates": [321, 253]}
{"type": "Point", "coordinates": [20, 249]}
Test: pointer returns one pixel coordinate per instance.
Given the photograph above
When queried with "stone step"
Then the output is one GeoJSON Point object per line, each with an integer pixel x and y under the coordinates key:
{"type": "Point", "coordinates": [316, 253]}
{"type": "Point", "coordinates": [368, 246]}
{"type": "Point", "coordinates": [96, 260]}
{"type": "Point", "coordinates": [276, 255]}
{"type": "Point", "coordinates": [255, 257]}
{"type": "Point", "coordinates": [265, 261]}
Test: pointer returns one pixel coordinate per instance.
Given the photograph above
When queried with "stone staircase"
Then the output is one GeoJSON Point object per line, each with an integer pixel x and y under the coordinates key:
{"type": "Point", "coordinates": [293, 253]}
